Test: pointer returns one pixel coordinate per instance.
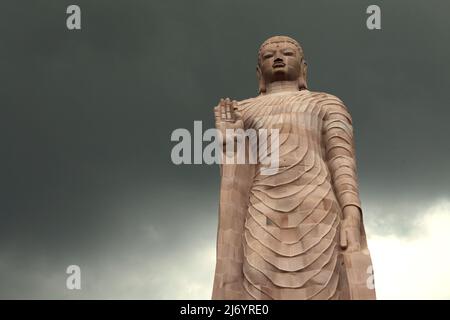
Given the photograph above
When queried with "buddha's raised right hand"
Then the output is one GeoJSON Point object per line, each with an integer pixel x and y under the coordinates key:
{"type": "Point", "coordinates": [228, 118]}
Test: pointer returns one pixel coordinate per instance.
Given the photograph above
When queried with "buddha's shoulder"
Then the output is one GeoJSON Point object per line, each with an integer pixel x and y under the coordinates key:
{"type": "Point", "coordinates": [326, 97]}
{"type": "Point", "coordinates": [329, 102]}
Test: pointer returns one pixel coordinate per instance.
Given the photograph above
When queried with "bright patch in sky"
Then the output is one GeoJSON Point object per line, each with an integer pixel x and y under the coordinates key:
{"type": "Point", "coordinates": [416, 267]}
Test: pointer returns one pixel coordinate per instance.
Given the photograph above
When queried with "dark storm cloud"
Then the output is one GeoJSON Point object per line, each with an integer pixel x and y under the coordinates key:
{"type": "Point", "coordinates": [86, 118]}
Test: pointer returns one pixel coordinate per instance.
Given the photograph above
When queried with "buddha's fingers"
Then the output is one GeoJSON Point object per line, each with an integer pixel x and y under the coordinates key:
{"type": "Point", "coordinates": [343, 238]}
{"type": "Point", "coordinates": [223, 114]}
{"type": "Point", "coordinates": [228, 110]}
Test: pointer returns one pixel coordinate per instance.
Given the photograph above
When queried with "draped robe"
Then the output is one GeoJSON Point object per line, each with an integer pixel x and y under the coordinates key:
{"type": "Point", "coordinates": [278, 234]}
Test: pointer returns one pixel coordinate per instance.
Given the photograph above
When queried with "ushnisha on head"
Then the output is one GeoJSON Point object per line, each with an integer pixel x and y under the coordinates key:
{"type": "Point", "coordinates": [281, 58]}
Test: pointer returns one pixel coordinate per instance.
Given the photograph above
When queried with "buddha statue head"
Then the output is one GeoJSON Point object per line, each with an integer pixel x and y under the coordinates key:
{"type": "Point", "coordinates": [281, 58]}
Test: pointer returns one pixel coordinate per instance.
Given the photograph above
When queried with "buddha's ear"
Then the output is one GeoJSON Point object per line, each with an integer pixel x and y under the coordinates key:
{"type": "Point", "coordinates": [261, 83]}
{"type": "Point", "coordinates": [302, 84]}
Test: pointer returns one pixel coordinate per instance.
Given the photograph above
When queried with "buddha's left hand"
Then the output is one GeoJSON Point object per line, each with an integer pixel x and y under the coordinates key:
{"type": "Point", "coordinates": [351, 229]}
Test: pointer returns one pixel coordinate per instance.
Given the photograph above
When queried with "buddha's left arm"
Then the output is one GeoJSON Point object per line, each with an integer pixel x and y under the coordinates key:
{"type": "Point", "coordinates": [340, 153]}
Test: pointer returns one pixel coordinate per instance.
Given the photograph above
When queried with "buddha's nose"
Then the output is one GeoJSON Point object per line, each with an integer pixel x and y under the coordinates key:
{"type": "Point", "coordinates": [278, 59]}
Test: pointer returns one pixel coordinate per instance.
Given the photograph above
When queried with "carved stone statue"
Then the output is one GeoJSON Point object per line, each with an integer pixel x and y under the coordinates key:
{"type": "Point", "coordinates": [297, 233]}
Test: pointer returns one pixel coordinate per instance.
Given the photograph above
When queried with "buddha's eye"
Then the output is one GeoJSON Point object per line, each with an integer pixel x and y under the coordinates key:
{"type": "Point", "coordinates": [288, 53]}
{"type": "Point", "coordinates": [267, 55]}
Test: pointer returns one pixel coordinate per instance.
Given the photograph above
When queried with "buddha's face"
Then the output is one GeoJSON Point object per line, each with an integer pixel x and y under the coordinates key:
{"type": "Point", "coordinates": [280, 61]}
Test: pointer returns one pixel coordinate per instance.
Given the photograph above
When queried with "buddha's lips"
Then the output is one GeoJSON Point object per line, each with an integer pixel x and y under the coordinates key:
{"type": "Point", "coordinates": [278, 64]}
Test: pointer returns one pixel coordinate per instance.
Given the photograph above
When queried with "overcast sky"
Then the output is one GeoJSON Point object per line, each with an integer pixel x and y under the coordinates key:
{"type": "Point", "coordinates": [86, 118]}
